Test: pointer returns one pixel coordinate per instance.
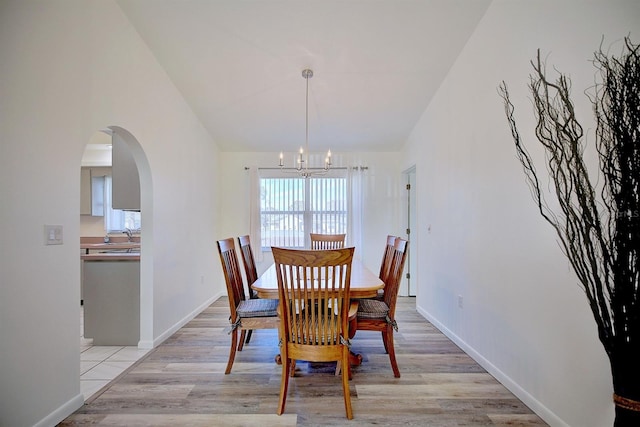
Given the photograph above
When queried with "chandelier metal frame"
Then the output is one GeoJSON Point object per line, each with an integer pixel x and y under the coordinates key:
{"type": "Point", "coordinates": [302, 162]}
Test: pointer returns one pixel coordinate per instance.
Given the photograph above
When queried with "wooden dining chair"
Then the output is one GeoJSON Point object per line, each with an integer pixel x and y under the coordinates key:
{"type": "Point", "coordinates": [387, 256]}
{"type": "Point", "coordinates": [251, 274]}
{"type": "Point", "coordinates": [246, 314]}
{"type": "Point", "coordinates": [314, 288]}
{"type": "Point", "coordinates": [327, 241]}
{"type": "Point", "coordinates": [385, 264]}
{"type": "Point", "coordinates": [379, 315]}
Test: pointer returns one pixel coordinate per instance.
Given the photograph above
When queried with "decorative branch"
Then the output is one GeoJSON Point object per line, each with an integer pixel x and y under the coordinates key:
{"type": "Point", "coordinates": [599, 232]}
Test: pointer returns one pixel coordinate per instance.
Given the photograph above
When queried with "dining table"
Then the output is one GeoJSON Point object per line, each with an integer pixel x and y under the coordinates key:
{"type": "Point", "coordinates": [364, 284]}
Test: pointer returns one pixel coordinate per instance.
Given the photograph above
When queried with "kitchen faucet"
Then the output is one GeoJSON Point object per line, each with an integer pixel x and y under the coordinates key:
{"type": "Point", "coordinates": [129, 233]}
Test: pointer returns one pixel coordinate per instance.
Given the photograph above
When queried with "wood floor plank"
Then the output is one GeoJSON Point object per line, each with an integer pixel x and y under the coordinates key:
{"type": "Point", "coordinates": [515, 420]}
{"type": "Point", "coordinates": [459, 390]}
{"type": "Point", "coordinates": [197, 420]}
{"type": "Point", "coordinates": [182, 383]}
{"type": "Point", "coordinates": [146, 391]}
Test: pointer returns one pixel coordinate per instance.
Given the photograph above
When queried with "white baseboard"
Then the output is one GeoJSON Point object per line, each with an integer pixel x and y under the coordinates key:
{"type": "Point", "coordinates": [173, 329]}
{"type": "Point", "coordinates": [72, 405]}
{"type": "Point", "coordinates": [536, 406]}
{"type": "Point", "coordinates": [61, 412]}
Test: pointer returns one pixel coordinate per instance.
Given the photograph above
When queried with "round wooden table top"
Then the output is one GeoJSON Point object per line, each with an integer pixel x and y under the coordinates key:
{"type": "Point", "coordinates": [364, 283]}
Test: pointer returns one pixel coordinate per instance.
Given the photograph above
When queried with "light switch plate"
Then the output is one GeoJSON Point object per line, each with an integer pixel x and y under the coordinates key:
{"type": "Point", "coordinates": [52, 234]}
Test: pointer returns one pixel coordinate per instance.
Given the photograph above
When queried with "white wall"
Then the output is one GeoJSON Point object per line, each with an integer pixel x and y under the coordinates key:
{"type": "Point", "coordinates": [524, 316]}
{"type": "Point", "coordinates": [70, 68]}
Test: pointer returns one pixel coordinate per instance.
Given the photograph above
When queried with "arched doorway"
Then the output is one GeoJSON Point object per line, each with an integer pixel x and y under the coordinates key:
{"type": "Point", "coordinates": [146, 234]}
{"type": "Point", "coordinates": [100, 158]}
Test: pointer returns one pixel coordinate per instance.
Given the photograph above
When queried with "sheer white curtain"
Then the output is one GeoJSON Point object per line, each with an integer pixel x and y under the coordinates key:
{"type": "Point", "coordinates": [354, 237]}
{"type": "Point", "coordinates": [254, 214]}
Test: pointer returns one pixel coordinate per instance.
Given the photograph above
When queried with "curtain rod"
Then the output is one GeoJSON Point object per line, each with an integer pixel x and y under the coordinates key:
{"type": "Point", "coordinates": [293, 169]}
{"type": "Point", "coordinates": [338, 168]}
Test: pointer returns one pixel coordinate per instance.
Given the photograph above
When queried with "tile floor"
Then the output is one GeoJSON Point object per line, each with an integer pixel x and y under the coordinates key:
{"type": "Point", "coordinates": [99, 365]}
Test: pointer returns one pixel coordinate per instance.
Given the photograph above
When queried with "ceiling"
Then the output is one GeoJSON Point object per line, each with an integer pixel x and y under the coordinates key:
{"type": "Point", "coordinates": [376, 66]}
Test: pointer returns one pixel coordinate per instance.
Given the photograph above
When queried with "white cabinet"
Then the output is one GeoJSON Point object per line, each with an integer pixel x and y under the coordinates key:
{"type": "Point", "coordinates": [125, 179]}
{"type": "Point", "coordinates": [112, 302]}
{"type": "Point", "coordinates": [85, 191]}
{"type": "Point", "coordinates": [92, 190]}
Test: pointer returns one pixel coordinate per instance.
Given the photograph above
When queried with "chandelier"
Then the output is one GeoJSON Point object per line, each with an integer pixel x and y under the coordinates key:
{"type": "Point", "coordinates": [302, 162]}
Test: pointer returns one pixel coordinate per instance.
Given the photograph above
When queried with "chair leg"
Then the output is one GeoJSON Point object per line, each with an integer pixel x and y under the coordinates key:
{"type": "Point", "coordinates": [387, 337]}
{"type": "Point", "coordinates": [248, 336]}
{"type": "Point", "coordinates": [384, 341]}
{"type": "Point", "coordinates": [284, 384]}
{"type": "Point", "coordinates": [232, 351]}
{"type": "Point", "coordinates": [241, 341]}
{"type": "Point", "coordinates": [345, 383]}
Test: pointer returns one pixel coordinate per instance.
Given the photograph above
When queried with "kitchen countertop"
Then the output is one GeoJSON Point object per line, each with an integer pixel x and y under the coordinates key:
{"type": "Point", "coordinates": [109, 246]}
{"type": "Point", "coordinates": [114, 251]}
{"type": "Point", "coordinates": [111, 256]}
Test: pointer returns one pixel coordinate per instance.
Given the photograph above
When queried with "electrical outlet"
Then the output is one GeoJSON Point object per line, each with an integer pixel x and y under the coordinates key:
{"type": "Point", "coordinates": [460, 301]}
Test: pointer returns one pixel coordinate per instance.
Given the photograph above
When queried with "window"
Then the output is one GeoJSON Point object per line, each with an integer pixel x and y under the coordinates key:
{"type": "Point", "coordinates": [116, 220]}
{"type": "Point", "coordinates": [293, 207]}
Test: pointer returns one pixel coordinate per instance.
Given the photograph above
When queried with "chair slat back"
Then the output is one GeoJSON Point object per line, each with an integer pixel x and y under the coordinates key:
{"type": "Point", "coordinates": [392, 284]}
{"type": "Point", "coordinates": [327, 241]}
{"type": "Point", "coordinates": [314, 291]}
{"type": "Point", "coordinates": [232, 274]}
{"type": "Point", "coordinates": [250, 271]}
{"type": "Point", "coordinates": [385, 265]}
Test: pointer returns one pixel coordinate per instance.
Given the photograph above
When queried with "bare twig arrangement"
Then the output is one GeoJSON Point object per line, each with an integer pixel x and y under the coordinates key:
{"type": "Point", "coordinates": [598, 228]}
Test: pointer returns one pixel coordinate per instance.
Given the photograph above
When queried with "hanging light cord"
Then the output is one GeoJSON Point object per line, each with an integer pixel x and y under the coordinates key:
{"type": "Point", "coordinates": [307, 74]}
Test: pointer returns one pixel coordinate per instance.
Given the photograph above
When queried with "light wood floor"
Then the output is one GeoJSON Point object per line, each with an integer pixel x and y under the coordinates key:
{"type": "Point", "coordinates": [182, 383]}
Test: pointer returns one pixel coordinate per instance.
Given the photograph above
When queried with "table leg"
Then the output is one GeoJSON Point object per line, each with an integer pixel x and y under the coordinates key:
{"type": "Point", "coordinates": [354, 358]}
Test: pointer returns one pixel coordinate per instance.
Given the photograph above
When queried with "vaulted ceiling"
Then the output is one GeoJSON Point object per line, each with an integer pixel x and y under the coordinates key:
{"type": "Point", "coordinates": [376, 64]}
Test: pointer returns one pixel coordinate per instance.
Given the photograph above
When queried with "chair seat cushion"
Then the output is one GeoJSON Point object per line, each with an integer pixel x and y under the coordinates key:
{"type": "Point", "coordinates": [372, 309]}
{"type": "Point", "coordinates": [258, 308]}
